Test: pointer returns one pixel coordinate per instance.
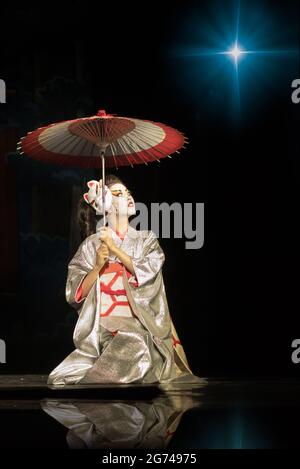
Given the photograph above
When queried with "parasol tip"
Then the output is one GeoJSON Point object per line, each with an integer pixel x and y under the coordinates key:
{"type": "Point", "coordinates": [102, 113]}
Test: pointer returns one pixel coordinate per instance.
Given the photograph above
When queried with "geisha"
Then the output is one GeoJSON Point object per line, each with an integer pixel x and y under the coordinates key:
{"type": "Point", "coordinates": [124, 332]}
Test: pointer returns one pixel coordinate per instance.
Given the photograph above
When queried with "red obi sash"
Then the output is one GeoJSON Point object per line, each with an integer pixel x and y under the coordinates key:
{"type": "Point", "coordinates": [114, 267]}
{"type": "Point", "coordinates": [110, 267]}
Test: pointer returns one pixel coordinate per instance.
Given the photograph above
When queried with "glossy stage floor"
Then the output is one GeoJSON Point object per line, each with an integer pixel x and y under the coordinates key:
{"type": "Point", "coordinates": [219, 414]}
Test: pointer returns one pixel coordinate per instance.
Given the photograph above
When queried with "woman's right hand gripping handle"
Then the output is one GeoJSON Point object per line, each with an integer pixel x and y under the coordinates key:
{"type": "Point", "coordinates": [102, 256]}
{"type": "Point", "coordinates": [101, 260]}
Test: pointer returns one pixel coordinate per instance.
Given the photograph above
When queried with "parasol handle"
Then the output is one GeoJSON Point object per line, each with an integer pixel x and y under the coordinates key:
{"type": "Point", "coordinates": [103, 185]}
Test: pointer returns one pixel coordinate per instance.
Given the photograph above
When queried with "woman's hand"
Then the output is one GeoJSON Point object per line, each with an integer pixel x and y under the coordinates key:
{"type": "Point", "coordinates": [102, 256]}
{"type": "Point", "coordinates": [105, 236]}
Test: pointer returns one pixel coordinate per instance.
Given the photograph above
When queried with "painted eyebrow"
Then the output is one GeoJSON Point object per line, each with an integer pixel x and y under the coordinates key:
{"type": "Point", "coordinates": [120, 190]}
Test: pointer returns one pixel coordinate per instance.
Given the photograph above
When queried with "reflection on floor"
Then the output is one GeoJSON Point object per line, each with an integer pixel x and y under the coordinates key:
{"type": "Point", "coordinates": [218, 414]}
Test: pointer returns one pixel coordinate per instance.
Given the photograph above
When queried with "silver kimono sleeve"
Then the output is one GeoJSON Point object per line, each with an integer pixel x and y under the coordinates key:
{"type": "Point", "coordinates": [78, 268]}
{"type": "Point", "coordinates": [149, 263]}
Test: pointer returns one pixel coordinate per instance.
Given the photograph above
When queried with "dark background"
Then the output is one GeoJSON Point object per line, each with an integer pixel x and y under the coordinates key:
{"type": "Point", "coordinates": [235, 301]}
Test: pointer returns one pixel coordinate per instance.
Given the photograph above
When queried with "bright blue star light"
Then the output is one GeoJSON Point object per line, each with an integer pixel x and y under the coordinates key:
{"type": "Point", "coordinates": [241, 52]}
{"type": "Point", "coordinates": [235, 52]}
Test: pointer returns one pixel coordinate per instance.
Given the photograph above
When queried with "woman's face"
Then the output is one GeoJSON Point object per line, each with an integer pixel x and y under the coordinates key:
{"type": "Point", "coordinates": [122, 200]}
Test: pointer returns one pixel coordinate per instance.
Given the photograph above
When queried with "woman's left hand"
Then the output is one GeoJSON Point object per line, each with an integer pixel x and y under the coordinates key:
{"type": "Point", "coordinates": [105, 236]}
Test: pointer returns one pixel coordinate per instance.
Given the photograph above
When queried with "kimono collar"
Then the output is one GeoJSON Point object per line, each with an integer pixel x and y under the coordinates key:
{"type": "Point", "coordinates": [121, 235]}
{"type": "Point", "coordinates": [130, 233]}
{"type": "Point", "coordinates": [127, 238]}
{"type": "Point", "coordinates": [126, 243]}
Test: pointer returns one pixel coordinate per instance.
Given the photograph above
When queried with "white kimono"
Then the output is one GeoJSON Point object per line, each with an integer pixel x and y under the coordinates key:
{"type": "Point", "coordinates": [124, 332]}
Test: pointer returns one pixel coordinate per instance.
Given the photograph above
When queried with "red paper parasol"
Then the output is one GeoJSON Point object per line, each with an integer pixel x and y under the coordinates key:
{"type": "Point", "coordinates": [102, 140]}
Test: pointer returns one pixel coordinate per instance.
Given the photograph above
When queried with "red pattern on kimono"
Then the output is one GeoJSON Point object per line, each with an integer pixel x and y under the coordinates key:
{"type": "Point", "coordinates": [114, 297]}
{"type": "Point", "coordinates": [107, 287]}
{"type": "Point", "coordinates": [114, 300]}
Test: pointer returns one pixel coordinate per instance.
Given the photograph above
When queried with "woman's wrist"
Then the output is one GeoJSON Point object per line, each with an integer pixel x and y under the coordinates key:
{"type": "Point", "coordinates": [99, 268]}
{"type": "Point", "coordinates": [113, 248]}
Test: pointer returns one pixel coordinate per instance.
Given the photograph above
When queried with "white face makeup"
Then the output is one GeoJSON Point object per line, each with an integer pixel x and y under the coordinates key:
{"type": "Point", "coordinates": [122, 200]}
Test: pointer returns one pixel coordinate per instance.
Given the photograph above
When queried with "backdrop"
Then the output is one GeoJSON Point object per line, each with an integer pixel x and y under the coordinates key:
{"type": "Point", "coordinates": [235, 301]}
